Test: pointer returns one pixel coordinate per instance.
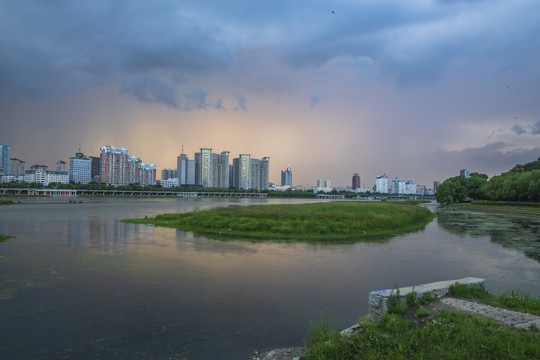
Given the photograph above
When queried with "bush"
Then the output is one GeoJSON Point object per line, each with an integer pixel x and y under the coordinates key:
{"type": "Point", "coordinates": [426, 298]}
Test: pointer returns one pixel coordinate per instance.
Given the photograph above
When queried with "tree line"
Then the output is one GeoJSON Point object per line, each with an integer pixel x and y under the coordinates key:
{"type": "Point", "coordinates": [521, 183]}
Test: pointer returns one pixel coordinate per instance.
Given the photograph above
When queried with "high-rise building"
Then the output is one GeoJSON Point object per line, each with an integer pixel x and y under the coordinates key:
{"type": "Point", "coordinates": [80, 169]}
{"type": "Point", "coordinates": [182, 169]}
{"type": "Point", "coordinates": [250, 173]}
{"type": "Point", "coordinates": [168, 174]}
{"type": "Point", "coordinates": [16, 167]}
{"type": "Point", "coordinates": [5, 156]}
{"type": "Point", "coordinates": [381, 184]}
{"type": "Point", "coordinates": [133, 170]}
{"type": "Point", "coordinates": [356, 181]}
{"type": "Point", "coordinates": [147, 174]}
{"type": "Point", "coordinates": [465, 172]}
{"type": "Point", "coordinates": [223, 170]}
{"type": "Point", "coordinates": [96, 168]}
{"type": "Point", "coordinates": [410, 187]}
{"type": "Point", "coordinates": [398, 186]}
{"type": "Point", "coordinates": [241, 171]}
{"type": "Point", "coordinates": [204, 168]}
{"type": "Point", "coordinates": [61, 165]}
{"type": "Point", "coordinates": [286, 177]}
{"type": "Point", "coordinates": [436, 185]}
{"type": "Point", "coordinates": [114, 165]}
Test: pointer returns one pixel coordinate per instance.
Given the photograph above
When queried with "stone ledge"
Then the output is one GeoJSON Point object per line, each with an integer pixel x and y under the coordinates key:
{"type": "Point", "coordinates": [377, 300]}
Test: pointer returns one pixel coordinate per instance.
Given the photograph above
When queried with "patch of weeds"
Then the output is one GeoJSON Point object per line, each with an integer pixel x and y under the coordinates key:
{"type": "Point", "coordinates": [422, 311]}
{"type": "Point", "coordinates": [513, 301]}
{"type": "Point", "coordinates": [426, 298]}
{"type": "Point", "coordinates": [411, 299]}
{"type": "Point", "coordinates": [450, 336]}
{"type": "Point", "coordinates": [394, 303]}
{"type": "Point", "coordinates": [475, 291]}
{"type": "Point", "coordinates": [534, 327]}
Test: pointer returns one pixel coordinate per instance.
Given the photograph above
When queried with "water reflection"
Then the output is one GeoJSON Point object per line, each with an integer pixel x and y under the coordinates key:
{"type": "Point", "coordinates": [113, 290]}
{"type": "Point", "coordinates": [518, 232]}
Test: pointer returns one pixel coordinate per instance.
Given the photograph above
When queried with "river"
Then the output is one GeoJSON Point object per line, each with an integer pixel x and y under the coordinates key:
{"type": "Point", "coordinates": [75, 283]}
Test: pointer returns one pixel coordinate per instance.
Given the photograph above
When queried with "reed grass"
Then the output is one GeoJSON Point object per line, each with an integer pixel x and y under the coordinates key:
{"type": "Point", "coordinates": [317, 221]}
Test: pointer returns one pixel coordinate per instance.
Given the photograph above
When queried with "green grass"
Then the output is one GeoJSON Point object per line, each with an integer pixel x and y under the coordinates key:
{"type": "Point", "coordinates": [4, 237]}
{"type": "Point", "coordinates": [6, 202]}
{"type": "Point", "coordinates": [500, 207]}
{"type": "Point", "coordinates": [513, 301]}
{"type": "Point", "coordinates": [450, 336]}
{"type": "Point", "coordinates": [315, 221]}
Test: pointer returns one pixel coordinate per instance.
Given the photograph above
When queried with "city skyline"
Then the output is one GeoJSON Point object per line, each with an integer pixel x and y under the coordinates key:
{"type": "Point", "coordinates": [416, 89]}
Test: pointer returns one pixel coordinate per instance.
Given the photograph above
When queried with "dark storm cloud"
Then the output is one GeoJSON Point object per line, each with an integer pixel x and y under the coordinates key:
{"type": "Point", "coordinates": [63, 46]}
{"type": "Point", "coordinates": [535, 129]}
{"type": "Point", "coordinates": [141, 46]}
{"type": "Point", "coordinates": [492, 158]}
{"type": "Point", "coordinates": [519, 130]}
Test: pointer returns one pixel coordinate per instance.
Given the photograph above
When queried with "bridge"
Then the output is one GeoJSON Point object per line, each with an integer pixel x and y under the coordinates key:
{"type": "Point", "coordinates": [78, 192]}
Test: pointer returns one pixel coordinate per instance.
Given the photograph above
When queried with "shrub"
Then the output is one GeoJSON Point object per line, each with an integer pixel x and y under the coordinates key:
{"type": "Point", "coordinates": [426, 298]}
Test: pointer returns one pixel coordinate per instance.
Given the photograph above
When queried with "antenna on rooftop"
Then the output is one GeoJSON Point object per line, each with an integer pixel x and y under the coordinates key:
{"type": "Point", "coordinates": [182, 148]}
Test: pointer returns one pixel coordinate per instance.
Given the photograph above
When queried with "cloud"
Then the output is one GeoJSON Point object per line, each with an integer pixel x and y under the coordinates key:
{"type": "Point", "coordinates": [493, 158]}
{"type": "Point", "coordinates": [519, 130]}
{"type": "Point", "coordinates": [242, 102]}
{"type": "Point", "coordinates": [316, 98]}
{"type": "Point", "coordinates": [535, 128]}
{"type": "Point", "coordinates": [151, 89]}
{"type": "Point", "coordinates": [60, 47]}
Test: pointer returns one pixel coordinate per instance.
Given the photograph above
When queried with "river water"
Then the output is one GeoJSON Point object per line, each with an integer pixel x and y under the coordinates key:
{"type": "Point", "coordinates": [75, 283]}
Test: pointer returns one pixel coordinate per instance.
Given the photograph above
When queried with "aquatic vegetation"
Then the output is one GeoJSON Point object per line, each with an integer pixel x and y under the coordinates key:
{"type": "Point", "coordinates": [4, 237]}
{"type": "Point", "coordinates": [316, 221]}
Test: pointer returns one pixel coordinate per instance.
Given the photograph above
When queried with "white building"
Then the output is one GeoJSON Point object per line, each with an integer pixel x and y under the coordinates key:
{"type": "Point", "coordinates": [80, 169]}
{"type": "Point", "coordinates": [45, 177]}
{"type": "Point", "coordinates": [381, 184]}
{"type": "Point", "coordinates": [410, 187]}
{"type": "Point", "coordinates": [398, 186]}
{"type": "Point", "coordinates": [323, 185]}
{"type": "Point", "coordinates": [170, 182]}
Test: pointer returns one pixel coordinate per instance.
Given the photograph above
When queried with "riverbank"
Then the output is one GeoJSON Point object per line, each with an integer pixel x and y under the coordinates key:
{"type": "Point", "coordinates": [329, 221]}
{"type": "Point", "coordinates": [503, 207]}
{"type": "Point", "coordinates": [451, 323]}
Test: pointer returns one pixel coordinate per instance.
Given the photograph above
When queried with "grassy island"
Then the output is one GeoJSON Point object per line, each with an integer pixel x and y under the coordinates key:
{"type": "Point", "coordinates": [316, 221]}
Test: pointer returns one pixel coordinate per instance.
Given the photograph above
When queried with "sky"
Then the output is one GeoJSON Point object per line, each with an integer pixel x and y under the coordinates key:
{"type": "Point", "coordinates": [415, 89]}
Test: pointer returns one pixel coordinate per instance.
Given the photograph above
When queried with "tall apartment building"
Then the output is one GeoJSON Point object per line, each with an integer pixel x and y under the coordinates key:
{"type": "Point", "coordinates": [465, 172]}
{"type": "Point", "coordinates": [80, 169]}
{"type": "Point", "coordinates": [96, 168]}
{"type": "Point", "coordinates": [16, 167]}
{"type": "Point", "coordinates": [185, 170]}
{"type": "Point", "coordinates": [212, 169]}
{"type": "Point", "coordinates": [114, 165]}
{"type": "Point", "coordinates": [398, 186]}
{"type": "Point", "coordinates": [356, 181]}
{"type": "Point", "coordinates": [61, 165]}
{"type": "Point", "coordinates": [168, 174]}
{"type": "Point", "coordinates": [381, 184]}
{"type": "Point", "coordinates": [120, 168]}
{"type": "Point", "coordinates": [250, 173]}
{"type": "Point", "coordinates": [286, 177]}
{"type": "Point", "coordinates": [147, 174]}
{"type": "Point", "coordinates": [133, 169]}
{"type": "Point", "coordinates": [410, 187]}
{"type": "Point", "coordinates": [5, 156]}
